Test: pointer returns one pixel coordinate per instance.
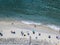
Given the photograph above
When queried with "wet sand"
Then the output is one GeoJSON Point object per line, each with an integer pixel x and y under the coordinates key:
{"type": "Point", "coordinates": [16, 25]}
{"type": "Point", "coordinates": [19, 24]}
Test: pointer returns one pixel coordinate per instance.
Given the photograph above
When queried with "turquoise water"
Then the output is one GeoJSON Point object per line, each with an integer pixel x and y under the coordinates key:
{"type": "Point", "coordinates": [40, 11]}
{"type": "Point", "coordinates": [5, 15]}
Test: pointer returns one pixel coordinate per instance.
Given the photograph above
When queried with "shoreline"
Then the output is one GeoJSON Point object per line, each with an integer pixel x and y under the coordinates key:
{"type": "Point", "coordinates": [19, 24]}
{"type": "Point", "coordinates": [16, 26]}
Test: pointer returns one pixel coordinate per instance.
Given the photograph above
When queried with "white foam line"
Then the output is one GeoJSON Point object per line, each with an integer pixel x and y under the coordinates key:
{"type": "Point", "coordinates": [30, 22]}
{"type": "Point", "coordinates": [48, 25]}
{"type": "Point", "coordinates": [54, 27]}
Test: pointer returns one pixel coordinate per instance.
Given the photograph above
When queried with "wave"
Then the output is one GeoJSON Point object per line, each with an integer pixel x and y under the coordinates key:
{"type": "Point", "coordinates": [31, 22]}
{"type": "Point", "coordinates": [55, 27]}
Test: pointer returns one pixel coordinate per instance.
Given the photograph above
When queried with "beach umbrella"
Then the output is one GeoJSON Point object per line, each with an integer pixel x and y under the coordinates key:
{"type": "Point", "coordinates": [28, 34]}
{"type": "Point", "coordinates": [39, 34]}
{"type": "Point", "coordinates": [49, 36]}
{"type": "Point", "coordinates": [1, 34]}
{"type": "Point", "coordinates": [22, 33]}
{"type": "Point", "coordinates": [58, 37]}
{"type": "Point", "coordinates": [13, 32]}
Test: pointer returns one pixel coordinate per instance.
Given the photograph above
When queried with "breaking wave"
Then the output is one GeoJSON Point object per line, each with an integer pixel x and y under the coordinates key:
{"type": "Point", "coordinates": [54, 27]}
{"type": "Point", "coordinates": [47, 25]}
{"type": "Point", "coordinates": [31, 22]}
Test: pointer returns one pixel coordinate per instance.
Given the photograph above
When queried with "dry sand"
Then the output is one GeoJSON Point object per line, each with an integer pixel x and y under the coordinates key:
{"type": "Point", "coordinates": [19, 24]}
{"type": "Point", "coordinates": [16, 25]}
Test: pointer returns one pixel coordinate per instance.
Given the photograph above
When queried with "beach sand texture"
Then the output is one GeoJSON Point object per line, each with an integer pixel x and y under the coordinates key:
{"type": "Point", "coordinates": [16, 26]}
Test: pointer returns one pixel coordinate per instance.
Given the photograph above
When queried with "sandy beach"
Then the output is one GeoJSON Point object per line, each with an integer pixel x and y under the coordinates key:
{"type": "Point", "coordinates": [19, 24]}
{"type": "Point", "coordinates": [7, 26]}
{"type": "Point", "coordinates": [29, 22]}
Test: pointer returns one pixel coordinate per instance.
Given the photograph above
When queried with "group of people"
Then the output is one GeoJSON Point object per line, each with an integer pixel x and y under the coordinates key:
{"type": "Point", "coordinates": [22, 33]}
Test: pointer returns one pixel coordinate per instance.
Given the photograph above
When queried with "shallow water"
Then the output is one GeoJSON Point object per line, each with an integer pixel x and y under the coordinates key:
{"type": "Point", "coordinates": [38, 11]}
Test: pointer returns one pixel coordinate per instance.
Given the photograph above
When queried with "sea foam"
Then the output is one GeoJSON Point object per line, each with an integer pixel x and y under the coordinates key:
{"type": "Point", "coordinates": [54, 27]}
{"type": "Point", "coordinates": [31, 22]}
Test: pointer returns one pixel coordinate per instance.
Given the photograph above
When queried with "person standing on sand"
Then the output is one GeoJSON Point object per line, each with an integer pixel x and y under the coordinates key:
{"type": "Point", "coordinates": [35, 26]}
{"type": "Point", "coordinates": [59, 31]}
{"type": "Point", "coordinates": [22, 33]}
{"type": "Point", "coordinates": [12, 23]}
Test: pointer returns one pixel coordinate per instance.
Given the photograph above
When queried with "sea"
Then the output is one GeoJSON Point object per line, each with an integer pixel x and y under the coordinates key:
{"type": "Point", "coordinates": [39, 12]}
